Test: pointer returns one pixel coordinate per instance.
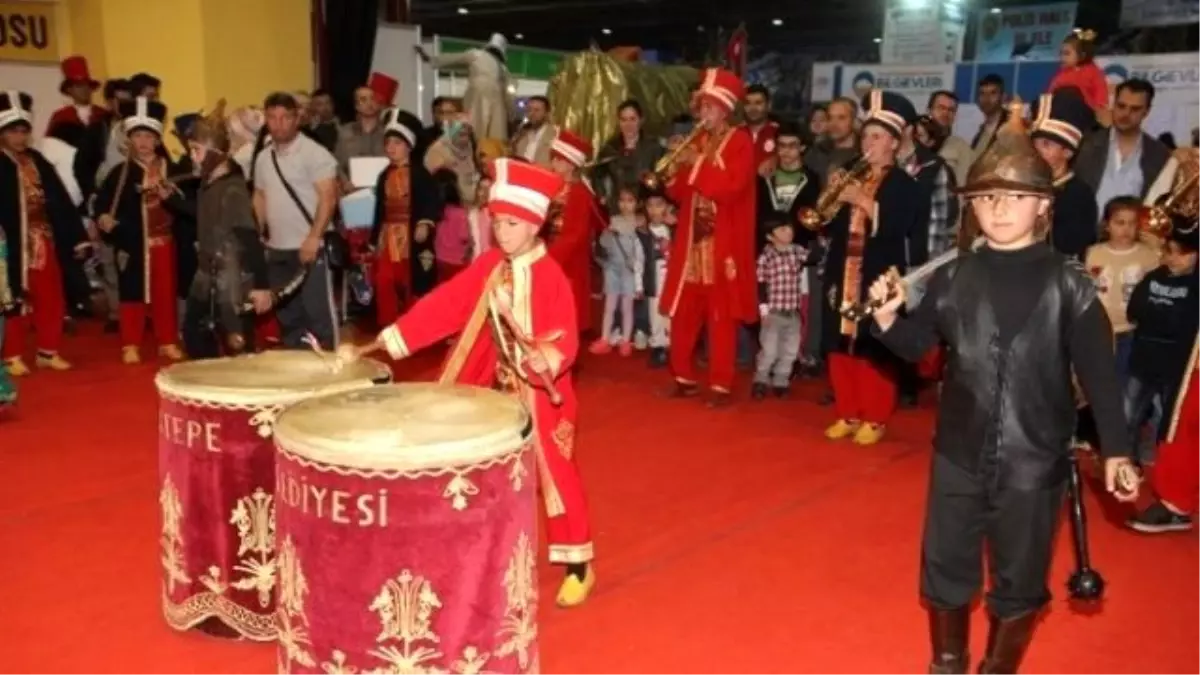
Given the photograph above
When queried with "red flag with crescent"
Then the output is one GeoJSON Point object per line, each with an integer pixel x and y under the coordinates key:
{"type": "Point", "coordinates": [735, 51]}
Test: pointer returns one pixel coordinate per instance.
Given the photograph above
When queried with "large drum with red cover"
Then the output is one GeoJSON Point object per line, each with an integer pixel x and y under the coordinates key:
{"type": "Point", "coordinates": [217, 471]}
{"type": "Point", "coordinates": [407, 532]}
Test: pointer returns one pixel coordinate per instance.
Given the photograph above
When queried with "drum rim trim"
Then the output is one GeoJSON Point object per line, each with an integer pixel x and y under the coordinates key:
{"type": "Point", "coordinates": [250, 398]}
{"type": "Point", "coordinates": [427, 459]}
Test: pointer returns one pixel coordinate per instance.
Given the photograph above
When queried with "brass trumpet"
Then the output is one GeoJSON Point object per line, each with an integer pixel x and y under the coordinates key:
{"type": "Point", "coordinates": [827, 205]}
{"type": "Point", "coordinates": [665, 166]}
{"type": "Point", "coordinates": [1156, 220]}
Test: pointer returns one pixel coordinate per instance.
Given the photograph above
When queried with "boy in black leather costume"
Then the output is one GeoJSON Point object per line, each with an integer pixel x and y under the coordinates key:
{"type": "Point", "coordinates": [1017, 318]}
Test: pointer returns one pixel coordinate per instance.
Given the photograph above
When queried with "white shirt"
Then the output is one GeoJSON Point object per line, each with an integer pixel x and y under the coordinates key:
{"type": "Point", "coordinates": [84, 112]}
{"type": "Point", "coordinates": [61, 156]}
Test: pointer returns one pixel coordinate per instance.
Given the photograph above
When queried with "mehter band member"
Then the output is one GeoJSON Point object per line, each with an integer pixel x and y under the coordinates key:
{"type": "Point", "coordinates": [1061, 121]}
{"type": "Point", "coordinates": [406, 209]}
{"type": "Point", "coordinates": [43, 231]}
{"type": "Point", "coordinates": [576, 218]}
{"type": "Point", "coordinates": [231, 269]}
{"type": "Point", "coordinates": [1016, 317]}
{"type": "Point", "coordinates": [135, 208]}
{"type": "Point", "coordinates": [886, 208]}
{"type": "Point", "coordinates": [711, 272]}
{"type": "Point", "coordinates": [513, 311]}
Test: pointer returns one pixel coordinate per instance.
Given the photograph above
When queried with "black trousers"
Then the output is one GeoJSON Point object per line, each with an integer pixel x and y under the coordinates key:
{"type": "Point", "coordinates": [964, 511]}
{"type": "Point", "coordinates": [1141, 395]}
{"type": "Point", "coordinates": [202, 341]}
{"type": "Point", "coordinates": [311, 308]}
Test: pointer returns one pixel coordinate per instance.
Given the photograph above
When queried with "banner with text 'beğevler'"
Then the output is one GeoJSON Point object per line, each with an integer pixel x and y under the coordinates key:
{"type": "Point", "coordinates": [914, 82]}
{"type": "Point", "coordinates": [27, 32]}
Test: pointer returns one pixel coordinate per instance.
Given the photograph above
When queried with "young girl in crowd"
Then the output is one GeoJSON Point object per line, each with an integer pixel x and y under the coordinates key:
{"type": "Point", "coordinates": [8, 390]}
{"type": "Point", "coordinates": [1079, 70]}
{"type": "Point", "coordinates": [1117, 264]}
{"type": "Point", "coordinates": [623, 263]}
{"type": "Point", "coordinates": [479, 223]}
{"type": "Point", "coordinates": [452, 239]}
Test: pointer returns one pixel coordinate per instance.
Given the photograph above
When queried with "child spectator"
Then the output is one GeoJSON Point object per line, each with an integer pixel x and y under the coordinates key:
{"type": "Point", "coordinates": [1078, 69]}
{"type": "Point", "coordinates": [782, 286]}
{"type": "Point", "coordinates": [452, 238]}
{"type": "Point", "coordinates": [1164, 309]}
{"type": "Point", "coordinates": [623, 264]}
{"type": "Point", "coordinates": [1117, 264]}
{"type": "Point", "coordinates": [655, 236]}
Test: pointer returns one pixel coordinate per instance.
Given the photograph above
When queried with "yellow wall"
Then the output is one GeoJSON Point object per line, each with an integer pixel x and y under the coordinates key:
{"type": "Point", "coordinates": [202, 50]}
{"type": "Point", "coordinates": [245, 61]}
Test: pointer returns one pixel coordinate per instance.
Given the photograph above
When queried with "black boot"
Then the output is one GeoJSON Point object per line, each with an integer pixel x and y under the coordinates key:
{"type": "Point", "coordinates": [949, 633]}
{"type": "Point", "coordinates": [1007, 641]}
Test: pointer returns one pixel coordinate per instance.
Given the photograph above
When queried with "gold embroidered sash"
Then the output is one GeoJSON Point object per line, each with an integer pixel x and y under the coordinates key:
{"type": "Point", "coordinates": [856, 243]}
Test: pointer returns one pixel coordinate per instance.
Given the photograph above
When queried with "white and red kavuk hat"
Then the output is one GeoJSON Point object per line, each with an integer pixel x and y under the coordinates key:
{"type": "Point", "coordinates": [722, 87]}
{"type": "Point", "coordinates": [571, 147]}
{"type": "Point", "coordinates": [522, 190]}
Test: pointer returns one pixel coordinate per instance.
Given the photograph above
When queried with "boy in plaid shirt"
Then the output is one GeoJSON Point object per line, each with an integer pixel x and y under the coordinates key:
{"type": "Point", "coordinates": [782, 286]}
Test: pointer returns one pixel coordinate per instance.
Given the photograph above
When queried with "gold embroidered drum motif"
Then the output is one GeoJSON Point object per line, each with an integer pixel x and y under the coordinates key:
{"type": "Point", "coordinates": [217, 471]}
{"type": "Point", "coordinates": [407, 521]}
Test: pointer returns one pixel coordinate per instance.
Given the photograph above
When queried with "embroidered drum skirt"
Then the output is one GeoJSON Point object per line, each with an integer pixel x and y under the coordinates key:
{"type": "Point", "coordinates": [217, 470]}
{"type": "Point", "coordinates": [407, 532]}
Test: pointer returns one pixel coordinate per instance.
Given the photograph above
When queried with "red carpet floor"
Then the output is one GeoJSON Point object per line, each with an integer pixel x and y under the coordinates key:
{"type": "Point", "coordinates": [736, 540]}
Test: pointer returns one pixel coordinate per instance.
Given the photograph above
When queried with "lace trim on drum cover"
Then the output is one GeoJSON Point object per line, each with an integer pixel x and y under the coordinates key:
{"type": "Point", "coordinates": [458, 490]}
{"type": "Point", "coordinates": [406, 608]}
{"type": "Point", "coordinates": [199, 608]}
{"type": "Point", "coordinates": [254, 517]}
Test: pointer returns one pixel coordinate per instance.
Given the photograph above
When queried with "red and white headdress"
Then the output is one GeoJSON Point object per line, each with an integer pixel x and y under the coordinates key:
{"type": "Point", "coordinates": [572, 147]}
{"type": "Point", "coordinates": [722, 87]}
{"type": "Point", "coordinates": [522, 190]}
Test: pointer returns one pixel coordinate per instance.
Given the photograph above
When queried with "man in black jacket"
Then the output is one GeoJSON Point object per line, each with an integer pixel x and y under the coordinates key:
{"type": "Point", "coordinates": [1017, 318]}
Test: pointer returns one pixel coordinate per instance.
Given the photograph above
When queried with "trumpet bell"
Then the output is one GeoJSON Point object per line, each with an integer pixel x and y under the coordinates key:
{"type": "Point", "coordinates": [652, 181]}
{"type": "Point", "coordinates": [1156, 222]}
{"type": "Point", "coordinates": [810, 219]}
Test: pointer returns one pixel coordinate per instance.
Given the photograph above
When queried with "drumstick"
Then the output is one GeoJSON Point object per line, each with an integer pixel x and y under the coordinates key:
{"type": "Point", "coordinates": [312, 341]}
{"type": "Point", "coordinates": [505, 312]}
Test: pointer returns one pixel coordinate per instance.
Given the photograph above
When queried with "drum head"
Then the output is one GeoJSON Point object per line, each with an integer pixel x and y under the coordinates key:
{"type": "Point", "coordinates": [405, 427]}
{"type": "Point", "coordinates": [277, 377]}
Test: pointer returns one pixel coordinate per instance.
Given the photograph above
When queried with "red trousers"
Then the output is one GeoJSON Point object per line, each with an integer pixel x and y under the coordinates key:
{"type": "Point", "coordinates": [694, 311]}
{"type": "Point", "coordinates": [1176, 474]}
{"type": "Point", "coordinates": [164, 311]}
{"type": "Point", "coordinates": [863, 390]}
{"type": "Point", "coordinates": [569, 533]}
{"type": "Point", "coordinates": [43, 306]}
{"type": "Point", "coordinates": [393, 281]}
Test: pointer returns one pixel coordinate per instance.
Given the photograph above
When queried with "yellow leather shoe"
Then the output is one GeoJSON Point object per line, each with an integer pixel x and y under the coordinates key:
{"type": "Point", "coordinates": [130, 355]}
{"type": "Point", "coordinates": [171, 352]}
{"type": "Point", "coordinates": [841, 429]}
{"type": "Point", "coordinates": [574, 592]}
{"type": "Point", "coordinates": [52, 362]}
{"type": "Point", "coordinates": [869, 434]}
{"type": "Point", "coordinates": [16, 366]}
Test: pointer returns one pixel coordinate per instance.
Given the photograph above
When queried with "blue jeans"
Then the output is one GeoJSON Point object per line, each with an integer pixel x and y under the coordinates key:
{"type": "Point", "coordinates": [1146, 402]}
{"type": "Point", "coordinates": [1124, 346]}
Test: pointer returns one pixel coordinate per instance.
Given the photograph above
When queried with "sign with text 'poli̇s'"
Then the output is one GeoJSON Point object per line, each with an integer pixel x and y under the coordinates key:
{"type": "Point", "coordinates": [1030, 33]}
{"type": "Point", "coordinates": [27, 32]}
{"type": "Point", "coordinates": [913, 82]}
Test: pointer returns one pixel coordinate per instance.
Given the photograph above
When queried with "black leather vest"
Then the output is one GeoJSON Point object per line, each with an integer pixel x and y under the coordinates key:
{"type": "Point", "coordinates": [1008, 411]}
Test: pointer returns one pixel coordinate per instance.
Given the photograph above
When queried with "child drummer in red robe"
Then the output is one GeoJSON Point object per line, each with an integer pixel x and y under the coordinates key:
{"type": "Point", "coordinates": [514, 312]}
